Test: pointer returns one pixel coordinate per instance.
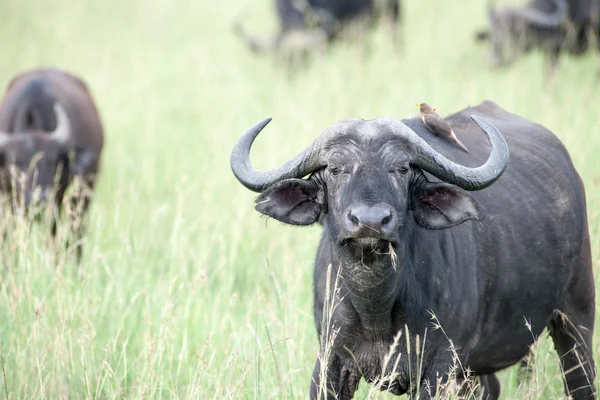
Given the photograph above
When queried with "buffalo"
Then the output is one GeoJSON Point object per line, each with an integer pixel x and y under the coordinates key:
{"type": "Point", "coordinates": [50, 136]}
{"type": "Point", "coordinates": [319, 22]}
{"type": "Point", "coordinates": [461, 262]}
{"type": "Point", "coordinates": [551, 25]}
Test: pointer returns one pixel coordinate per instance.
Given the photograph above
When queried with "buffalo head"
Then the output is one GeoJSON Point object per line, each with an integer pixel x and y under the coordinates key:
{"type": "Point", "coordinates": [34, 163]}
{"type": "Point", "coordinates": [365, 177]}
{"type": "Point", "coordinates": [514, 31]}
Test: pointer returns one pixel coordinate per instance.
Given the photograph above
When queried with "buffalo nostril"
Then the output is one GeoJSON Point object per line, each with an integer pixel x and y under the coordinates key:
{"type": "Point", "coordinates": [387, 219]}
{"type": "Point", "coordinates": [353, 219]}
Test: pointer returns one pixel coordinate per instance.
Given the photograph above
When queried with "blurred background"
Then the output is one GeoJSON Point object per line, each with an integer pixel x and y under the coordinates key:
{"type": "Point", "coordinates": [184, 290]}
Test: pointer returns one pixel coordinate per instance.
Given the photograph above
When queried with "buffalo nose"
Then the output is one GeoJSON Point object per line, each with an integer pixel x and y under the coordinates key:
{"type": "Point", "coordinates": [371, 221]}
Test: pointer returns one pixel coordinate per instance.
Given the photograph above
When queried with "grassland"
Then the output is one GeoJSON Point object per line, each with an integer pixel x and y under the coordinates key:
{"type": "Point", "coordinates": [185, 292]}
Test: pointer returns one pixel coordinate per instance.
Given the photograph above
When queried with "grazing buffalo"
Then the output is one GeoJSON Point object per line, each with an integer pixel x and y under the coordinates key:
{"type": "Point", "coordinates": [321, 21]}
{"type": "Point", "coordinates": [50, 133]}
{"type": "Point", "coordinates": [550, 25]}
{"type": "Point", "coordinates": [470, 267]}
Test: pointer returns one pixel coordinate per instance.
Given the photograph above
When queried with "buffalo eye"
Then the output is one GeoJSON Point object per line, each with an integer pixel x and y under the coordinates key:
{"type": "Point", "coordinates": [335, 170]}
{"type": "Point", "coordinates": [399, 170]}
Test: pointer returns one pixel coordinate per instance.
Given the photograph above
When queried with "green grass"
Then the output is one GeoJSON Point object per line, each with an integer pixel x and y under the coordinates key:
{"type": "Point", "coordinates": [185, 291]}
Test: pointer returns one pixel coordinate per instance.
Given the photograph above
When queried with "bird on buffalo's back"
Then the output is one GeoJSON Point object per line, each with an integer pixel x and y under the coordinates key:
{"type": "Point", "coordinates": [437, 125]}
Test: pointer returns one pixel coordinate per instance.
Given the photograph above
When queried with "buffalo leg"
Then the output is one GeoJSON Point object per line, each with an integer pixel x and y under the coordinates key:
{"type": "Point", "coordinates": [598, 56]}
{"type": "Point", "coordinates": [489, 389]}
{"type": "Point", "coordinates": [73, 234]}
{"type": "Point", "coordinates": [552, 55]}
{"type": "Point", "coordinates": [77, 213]}
{"type": "Point", "coordinates": [572, 330]}
{"type": "Point", "coordinates": [490, 386]}
{"type": "Point", "coordinates": [8, 256]}
{"type": "Point", "coordinates": [341, 382]}
{"type": "Point", "coordinates": [78, 223]}
{"type": "Point", "coordinates": [396, 21]}
{"type": "Point", "coordinates": [575, 352]}
{"type": "Point", "coordinates": [437, 380]}
{"type": "Point", "coordinates": [55, 221]}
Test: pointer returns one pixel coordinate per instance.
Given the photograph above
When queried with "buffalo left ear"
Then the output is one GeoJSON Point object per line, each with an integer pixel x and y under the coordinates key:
{"type": "Point", "coordinates": [293, 201]}
{"type": "Point", "coordinates": [441, 205]}
{"type": "Point", "coordinates": [82, 161]}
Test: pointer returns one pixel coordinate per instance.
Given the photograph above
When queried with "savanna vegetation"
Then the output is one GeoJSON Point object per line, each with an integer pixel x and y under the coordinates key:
{"type": "Point", "coordinates": [184, 290]}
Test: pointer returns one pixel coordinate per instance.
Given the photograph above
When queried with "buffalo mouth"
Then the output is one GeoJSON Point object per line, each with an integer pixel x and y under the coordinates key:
{"type": "Point", "coordinates": [371, 251]}
{"type": "Point", "coordinates": [376, 244]}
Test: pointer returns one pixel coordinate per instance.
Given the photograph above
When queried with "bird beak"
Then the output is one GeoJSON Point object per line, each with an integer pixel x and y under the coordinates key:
{"type": "Point", "coordinates": [418, 105]}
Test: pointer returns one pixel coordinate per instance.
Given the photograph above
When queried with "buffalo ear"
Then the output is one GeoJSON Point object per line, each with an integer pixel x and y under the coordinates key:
{"type": "Point", "coordinates": [83, 160]}
{"type": "Point", "coordinates": [441, 205]}
{"type": "Point", "coordinates": [293, 201]}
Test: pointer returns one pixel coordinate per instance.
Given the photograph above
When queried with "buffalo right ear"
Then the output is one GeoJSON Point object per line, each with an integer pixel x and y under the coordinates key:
{"type": "Point", "coordinates": [438, 205]}
{"type": "Point", "coordinates": [293, 201]}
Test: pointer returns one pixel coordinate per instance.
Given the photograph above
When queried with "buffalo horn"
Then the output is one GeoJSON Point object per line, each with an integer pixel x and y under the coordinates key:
{"type": "Point", "coordinates": [545, 20]}
{"type": "Point", "coordinates": [420, 152]}
{"type": "Point", "coordinates": [62, 132]}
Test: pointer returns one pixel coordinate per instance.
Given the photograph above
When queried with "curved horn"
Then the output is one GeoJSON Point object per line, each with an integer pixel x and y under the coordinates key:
{"type": "Point", "coordinates": [421, 153]}
{"type": "Point", "coordinates": [62, 133]}
{"type": "Point", "coordinates": [308, 160]}
{"type": "Point", "coordinates": [424, 156]}
{"type": "Point", "coordinates": [545, 20]}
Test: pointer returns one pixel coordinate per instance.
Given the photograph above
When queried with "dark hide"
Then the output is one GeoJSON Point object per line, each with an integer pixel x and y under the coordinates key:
{"type": "Point", "coordinates": [510, 36]}
{"type": "Point", "coordinates": [27, 110]}
{"type": "Point", "coordinates": [322, 20]}
{"type": "Point", "coordinates": [487, 263]}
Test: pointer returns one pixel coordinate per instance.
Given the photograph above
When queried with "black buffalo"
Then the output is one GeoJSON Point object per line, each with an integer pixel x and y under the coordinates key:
{"type": "Point", "coordinates": [321, 21]}
{"type": "Point", "coordinates": [497, 253]}
{"type": "Point", "coordinates": [50, 134]}
{"type": "Point", "coordinates": [551, 25]}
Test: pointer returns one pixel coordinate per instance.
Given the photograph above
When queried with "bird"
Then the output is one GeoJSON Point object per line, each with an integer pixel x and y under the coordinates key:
{"type": "Point", "coordinates": [437, 125]}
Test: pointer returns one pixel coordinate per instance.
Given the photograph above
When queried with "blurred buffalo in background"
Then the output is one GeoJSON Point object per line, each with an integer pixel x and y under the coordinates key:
{"type": "Point", "coordinates": [550, 25]}
{"type": "Point", "coordinates": [311, 24]}
{"type": "Point", "coordinates": [50, 133]}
